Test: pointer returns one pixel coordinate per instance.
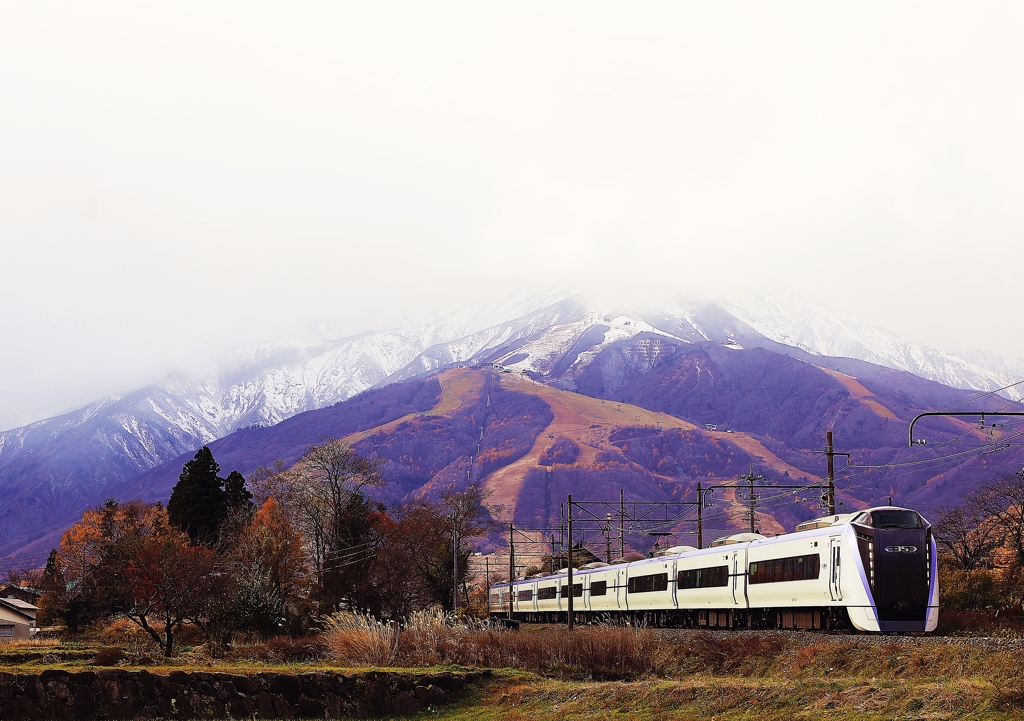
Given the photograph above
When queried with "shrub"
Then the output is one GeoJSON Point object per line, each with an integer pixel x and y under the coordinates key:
{"type": "Point", "coordinates": [108, 657]}
{"type": "Point", "coordinates": [430, 637]}
{"type": "Point", "coordinates": [967, 590]}
{"type": "Point", "coordinates": [282, 649]}
{"type": "Point", "coordinates": [359, 639]}
{"type": "Point", "coordinates": [601, 652]}
{"type": "Point", "coordinates": [125, 635]}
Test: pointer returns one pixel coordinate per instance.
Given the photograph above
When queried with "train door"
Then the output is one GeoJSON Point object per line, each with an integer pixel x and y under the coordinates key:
{"type": "Point", "coordinates": [835, 588]}
{"type": "Point", "coordinates": [672, 586]}
{"type": "Point", "coordinates": [737, 590]}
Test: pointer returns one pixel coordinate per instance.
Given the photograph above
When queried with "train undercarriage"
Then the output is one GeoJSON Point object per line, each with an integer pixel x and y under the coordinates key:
{"type": "Point", "coordinates": [823, 618]}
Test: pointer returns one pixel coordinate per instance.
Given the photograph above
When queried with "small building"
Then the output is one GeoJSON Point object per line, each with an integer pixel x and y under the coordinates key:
{"type": "Point", "coordinates": [17, 619]}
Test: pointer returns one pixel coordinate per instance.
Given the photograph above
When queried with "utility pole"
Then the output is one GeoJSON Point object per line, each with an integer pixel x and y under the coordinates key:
{"type": "Point", "coordinates": [511, 567]}
{"type": "Point", "coordinates": [571, 594]}
{"type": "Point", "coordinates": [608, 536]}
{"type": "Point", "coordinates": [830, 453]}
{"type": "Point", "coordinates": [700, 517]}
{"type": "Point", "coordinates": [561, 532]}
{"type": "Point", "coordinates": [487, 582]}
{"type": "Point", "coordinates": [455, 566]}
{"type": "Point", "coordinates": [831, 497]}
{"type": "Point", "coordinates": [622, 525]}
{"type": "Point", "coordinates": [752, 498]}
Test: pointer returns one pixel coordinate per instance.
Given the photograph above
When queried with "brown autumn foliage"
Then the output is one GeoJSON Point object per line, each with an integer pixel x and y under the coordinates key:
{"type": "Point", "coordinates": [315, 545]}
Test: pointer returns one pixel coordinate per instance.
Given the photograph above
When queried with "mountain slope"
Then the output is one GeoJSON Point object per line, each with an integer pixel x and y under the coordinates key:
{"type": "Point", "coordinates": [530, 444]}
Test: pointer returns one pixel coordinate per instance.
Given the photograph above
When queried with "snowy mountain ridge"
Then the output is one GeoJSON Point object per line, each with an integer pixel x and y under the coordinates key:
{"type": "Point", "coordinates": [797, 321]}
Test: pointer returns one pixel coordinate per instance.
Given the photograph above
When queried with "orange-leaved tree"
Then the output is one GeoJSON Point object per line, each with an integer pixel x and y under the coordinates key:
{"type": "Point", "coordinates": [265, 573]}
{"type": "Point", "coordinates": [82, 578]}
{"type": "Point", "coordinates": [168, 582]}
{"type": "Point", "coordinates": [125, 558]}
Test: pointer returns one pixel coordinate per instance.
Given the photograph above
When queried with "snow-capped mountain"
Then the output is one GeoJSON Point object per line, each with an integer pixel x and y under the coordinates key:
{"type": "Point", "coordinates": [798, 321]}
{"type": "Point", "coordinates": [52, 469]}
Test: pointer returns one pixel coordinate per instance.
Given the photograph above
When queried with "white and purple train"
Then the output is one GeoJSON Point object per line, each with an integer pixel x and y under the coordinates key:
{"type": "Point", "coordinates": [874, 570]}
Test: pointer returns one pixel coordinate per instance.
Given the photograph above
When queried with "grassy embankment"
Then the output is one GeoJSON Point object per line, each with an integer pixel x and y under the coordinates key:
{"type": "Point", "coordinates": [752, 676]}
{"type": "Point", "coordinates": [639, 673]}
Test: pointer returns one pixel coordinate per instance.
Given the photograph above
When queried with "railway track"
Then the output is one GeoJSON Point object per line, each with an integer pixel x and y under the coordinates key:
{"type": "Point", "coordinates": [1003, 643]}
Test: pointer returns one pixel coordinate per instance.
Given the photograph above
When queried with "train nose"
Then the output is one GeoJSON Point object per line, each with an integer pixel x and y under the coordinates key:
{"type": "Point", "coordinates": [901, 579]}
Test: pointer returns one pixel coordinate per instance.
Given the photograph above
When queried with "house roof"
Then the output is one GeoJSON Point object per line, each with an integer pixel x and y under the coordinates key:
{"type": "Point", "coordinates": [24, 589]}
{"type": "Point", "coordinates": [10, 600]}
{"type": "Point", "coordinates": [21, 608]}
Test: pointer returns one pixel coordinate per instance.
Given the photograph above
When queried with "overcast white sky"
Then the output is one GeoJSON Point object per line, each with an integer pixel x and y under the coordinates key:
{"type": "Point", "coordinates": [178, 178]}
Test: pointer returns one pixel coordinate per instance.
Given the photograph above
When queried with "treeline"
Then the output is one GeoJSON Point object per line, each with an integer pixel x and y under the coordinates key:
{"type": "Point", "coordinates": [271, 555]}
{"type": "Point", "coordinates": [981, 548]}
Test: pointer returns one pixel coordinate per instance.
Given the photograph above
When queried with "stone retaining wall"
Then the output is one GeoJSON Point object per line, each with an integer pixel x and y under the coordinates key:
{"type": "Point", "coordinates": [122, 694]}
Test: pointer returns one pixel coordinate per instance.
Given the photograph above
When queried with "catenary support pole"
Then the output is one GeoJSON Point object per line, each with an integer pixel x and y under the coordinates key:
{"type": "Point", "coordinates": [622, 525]}
{"type": "Point", "coordinates": [753, 501]}
{"type": "Point", "coordinates": [511, 566]}
{"type": "Point", "coordinates": [830, 452]}
{"type": "Point", "coordinates": [700, 517]}
{"type": "Point", "coordinates": [571, 594]}
{"type": "Point", "coordinates": [455, 567]}
{"type": "Point", "coordinates": [608, 537]}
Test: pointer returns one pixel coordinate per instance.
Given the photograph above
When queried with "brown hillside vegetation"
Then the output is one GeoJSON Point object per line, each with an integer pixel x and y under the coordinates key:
{"type": "Point", "coordinates": [585, 421]}
{"type": "Point", "coordinates": [589, 423]}
{"type": "Point", "coordinates": [458, 388]}
{"type": "Point", "coordinates": [575, 418]}
{"type": "Point", "coordinates": [858, 391]}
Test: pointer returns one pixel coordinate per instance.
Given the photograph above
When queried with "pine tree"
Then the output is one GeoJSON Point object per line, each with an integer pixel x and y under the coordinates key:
{"type": "Point", "coordinates": [237, 496]}
{"type": "Point", "coordinates": [198, 502]}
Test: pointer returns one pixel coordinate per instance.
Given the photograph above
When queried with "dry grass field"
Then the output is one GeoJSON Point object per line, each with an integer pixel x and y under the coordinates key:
{"type": "Point", "coordinates": [615, 672]}
{"type": "Point", "coordinates": [749, 675]}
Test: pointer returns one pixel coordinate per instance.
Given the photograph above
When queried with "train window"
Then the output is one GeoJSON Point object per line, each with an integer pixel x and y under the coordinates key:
{"type": "Point", "coordinates": [704, 577]}
{"type": "Point", "coordinates": [546, 594]}
{"type": "Point", "coordinates": [892, 519]}
{"type": "Point", "coordinates": [598, 588]}
{"type": "Point", "coordinates": [577, 590]}
{"type": "Point", "coordinates": [647, 584]}
{"type": "Point", "coordinates": [525, 595]}
{"type": "Point", "coordinates": [777, 570]}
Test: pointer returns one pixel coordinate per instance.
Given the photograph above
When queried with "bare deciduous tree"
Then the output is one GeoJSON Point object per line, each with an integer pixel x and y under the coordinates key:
{"type": "Point", "coordinates": [967, 534]}
{"type": "Point", "coordinates": [1002, 501]}
{"type": "Point", "coordinates": [324, 492]}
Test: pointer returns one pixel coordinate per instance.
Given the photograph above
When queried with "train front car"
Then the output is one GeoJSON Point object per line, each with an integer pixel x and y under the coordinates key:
{"type": "Point", "coordinates": [897, 549]}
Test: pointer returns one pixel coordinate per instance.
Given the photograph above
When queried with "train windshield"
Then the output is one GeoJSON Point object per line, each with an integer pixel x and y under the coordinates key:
{"type": "Point", "coordinates": [891, 519]}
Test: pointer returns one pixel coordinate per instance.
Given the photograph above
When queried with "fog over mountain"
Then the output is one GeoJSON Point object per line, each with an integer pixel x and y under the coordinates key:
{"type": "Point", "coordinates": [180, 177]}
